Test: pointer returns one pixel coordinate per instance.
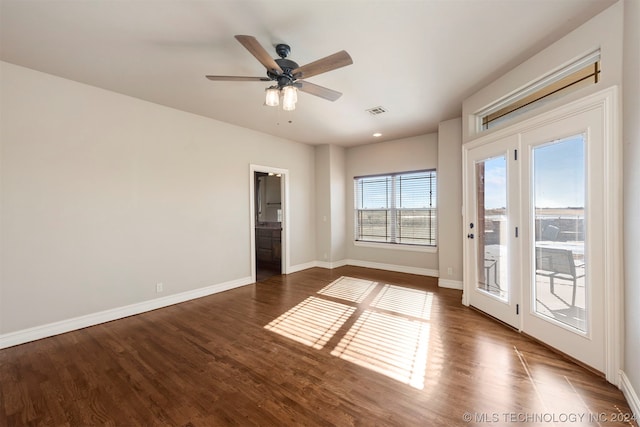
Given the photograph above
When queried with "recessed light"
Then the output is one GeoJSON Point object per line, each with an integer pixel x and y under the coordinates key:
{"type": "Point", "coordinates": [377, 134]}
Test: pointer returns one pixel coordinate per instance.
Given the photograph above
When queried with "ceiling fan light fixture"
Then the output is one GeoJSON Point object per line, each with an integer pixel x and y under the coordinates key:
{"type": "Point", "coordinates": [289, 98]}
{"type": "Point", "coordinates": [286, 73]}
{"type": "Point", "coordinates": [288, 106]}
{"type": "Point", "coordinates": [272, 98]}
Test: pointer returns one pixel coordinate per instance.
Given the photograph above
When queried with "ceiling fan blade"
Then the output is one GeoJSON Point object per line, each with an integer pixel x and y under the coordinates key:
{"type": "Point", "coordinates": [251, 44]}
{"type": "Point", "coordinates": [328, 63]}
{"type": "Point", "coordinates": [238, 79]}
{"type": "Point", "coordinates": [316, 90]}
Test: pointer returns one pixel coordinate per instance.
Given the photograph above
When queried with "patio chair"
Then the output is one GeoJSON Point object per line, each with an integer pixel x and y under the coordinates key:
{"type": "Point", "coordinates": [557, 263]}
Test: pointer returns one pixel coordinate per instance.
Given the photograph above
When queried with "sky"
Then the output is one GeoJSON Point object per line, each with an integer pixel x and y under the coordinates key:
{"type": "Point", "coordinates": [559, 175]}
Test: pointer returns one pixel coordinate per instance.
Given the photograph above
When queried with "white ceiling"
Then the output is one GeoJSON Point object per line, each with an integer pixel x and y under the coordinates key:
{"type": "Point", "coordinates": [417, 59]}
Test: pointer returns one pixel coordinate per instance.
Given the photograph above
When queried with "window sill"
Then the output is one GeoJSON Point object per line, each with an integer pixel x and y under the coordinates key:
{"type": "Point", "coordinates": [397, 247]}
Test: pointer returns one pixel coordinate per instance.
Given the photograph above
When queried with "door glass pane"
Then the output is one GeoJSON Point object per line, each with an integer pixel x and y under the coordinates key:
{"type": "Point", "coordinates": [491, 179]}
{"type": "Point", "coordinates": [559, 202]}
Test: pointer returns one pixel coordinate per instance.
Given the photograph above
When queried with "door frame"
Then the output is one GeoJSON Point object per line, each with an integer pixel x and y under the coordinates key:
{"type": "Point", "coordinates": [608, 101]}
{"type": "Point", "coordinates": [284, 194]}
{"type": "Point", "coordinates": [504, 310]}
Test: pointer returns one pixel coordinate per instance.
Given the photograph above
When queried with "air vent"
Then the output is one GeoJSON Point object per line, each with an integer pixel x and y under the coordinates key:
{"type": "Point", "coordinates": [376, 110]}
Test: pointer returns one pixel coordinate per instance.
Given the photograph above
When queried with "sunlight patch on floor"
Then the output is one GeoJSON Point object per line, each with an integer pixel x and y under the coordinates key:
{"type": "Point", "coordinates": [390, 345]}
{"type": "Point", "coordinates": [388, 330]}
{"type": "Point", "coordinates": [411, 302]}
{"type": "Point", "coordinates": [312, 322]}
{"type": "Point", "coordinates": [349, 288]}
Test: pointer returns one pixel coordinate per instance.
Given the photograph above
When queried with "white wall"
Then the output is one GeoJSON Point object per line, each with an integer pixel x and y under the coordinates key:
{"type": "Point", "coordinates": [330, 205]}
{"type": "Point", "coordinates": [420, 152]}
{"type": "Point", "coordinates": [631, 140]}
{"type": "Point", "coordinates": [603, 31]}
{"type": "Point", "coordinates": [338, 184]}
{"type": "Point", "coordinates": [103, 196]}
{"type": "Point", "coordinates": [323, 203]}
{"type": "Point", "coordinates": [450, 225]}
{"type": "Point", "coordinates": [617, 32]}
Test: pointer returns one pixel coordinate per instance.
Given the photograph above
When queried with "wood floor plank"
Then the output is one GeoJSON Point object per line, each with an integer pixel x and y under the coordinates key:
{"type": "Point", "coordinates": [408, 354]}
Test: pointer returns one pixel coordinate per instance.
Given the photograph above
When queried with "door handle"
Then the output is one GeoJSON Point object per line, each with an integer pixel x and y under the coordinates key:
{"type": "Point", "coordinates": [470, 236]}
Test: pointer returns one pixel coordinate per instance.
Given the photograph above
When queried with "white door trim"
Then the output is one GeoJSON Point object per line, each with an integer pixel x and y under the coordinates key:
{"type": "Point", "coordinates": [502, 309]}
{"type": "Point", "coordinates": [284, 190]}
{"type": "Point", "coordinates": [608, 101]}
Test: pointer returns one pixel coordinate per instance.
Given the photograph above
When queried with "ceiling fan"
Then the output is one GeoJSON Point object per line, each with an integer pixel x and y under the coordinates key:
{"type": "Point", "coordinates": [287, 74]}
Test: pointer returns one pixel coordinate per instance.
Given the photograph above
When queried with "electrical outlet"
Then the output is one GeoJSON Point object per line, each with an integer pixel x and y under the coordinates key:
{"type": "Point", "coordinates": [450, 271]}
{"type": "Point", "coordinates": [159, 287]}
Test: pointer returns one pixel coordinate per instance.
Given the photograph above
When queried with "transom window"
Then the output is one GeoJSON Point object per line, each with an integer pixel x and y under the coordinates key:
{"type": "Point", "coordinates": [581, 73]}
{"type": "Point", "coordinates": [396, 208]}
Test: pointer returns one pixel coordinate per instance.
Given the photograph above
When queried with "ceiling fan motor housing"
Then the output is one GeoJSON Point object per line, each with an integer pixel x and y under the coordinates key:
{"type": "Point", "coordinates": [287, 67]}
{"type": "Point", "coordinates": [283, 50]}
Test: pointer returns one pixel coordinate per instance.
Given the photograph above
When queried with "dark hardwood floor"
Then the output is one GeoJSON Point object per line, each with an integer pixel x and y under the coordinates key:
{"type": "Point", "coordinates": [266, 270]}
{"type": "Point", "coordinates": [374, 348]}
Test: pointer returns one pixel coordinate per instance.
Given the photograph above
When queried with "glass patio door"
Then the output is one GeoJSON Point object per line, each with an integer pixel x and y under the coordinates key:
{"type": "Point", "coordinates": [492, 177]}
{"type": "Point", "coordinates": [559, 212]}
{"type": "Point", "coordinates": [536, 209]}
{"type": "Point", "coordinates": [564, 200]}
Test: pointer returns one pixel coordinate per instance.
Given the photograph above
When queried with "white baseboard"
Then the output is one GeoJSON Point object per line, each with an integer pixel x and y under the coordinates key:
{"type": "Point", "coordinates": [392, 267]}
{"type": "Point", "coordinates": [367, 264]}
{"type": "Point", "coordinates": [300, 267]}
{"type": "Point", "coordinates": [450, 284]}
{"type": "Point", "coordinates": [332, 264]}
{"type": "Point", "coordinates": [630, 394]}
{"type": "Point", "coordinates": [51, 329]}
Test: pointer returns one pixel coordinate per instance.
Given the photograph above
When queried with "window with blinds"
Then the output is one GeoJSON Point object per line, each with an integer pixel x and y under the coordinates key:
{"type": "Point", "coordinates": [396, 208]}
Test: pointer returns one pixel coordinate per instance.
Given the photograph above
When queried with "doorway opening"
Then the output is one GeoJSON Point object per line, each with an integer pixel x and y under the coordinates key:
{"type": "Point", "coordinates": [542, 252]}
{"type": "Point", "coordinates": [268, 228]}
{"type": "Point", "coordinates": [268, 222]}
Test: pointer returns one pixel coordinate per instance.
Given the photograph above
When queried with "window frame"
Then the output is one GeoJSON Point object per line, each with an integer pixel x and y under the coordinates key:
{"type": "Point", "coordinates": [394, 211]}
{"type": "Point", "coordinates": [580, 73]}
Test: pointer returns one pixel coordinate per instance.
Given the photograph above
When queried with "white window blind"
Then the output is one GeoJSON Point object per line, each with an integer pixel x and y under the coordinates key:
{"type": "Point", "coordinates": [396, 208]}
